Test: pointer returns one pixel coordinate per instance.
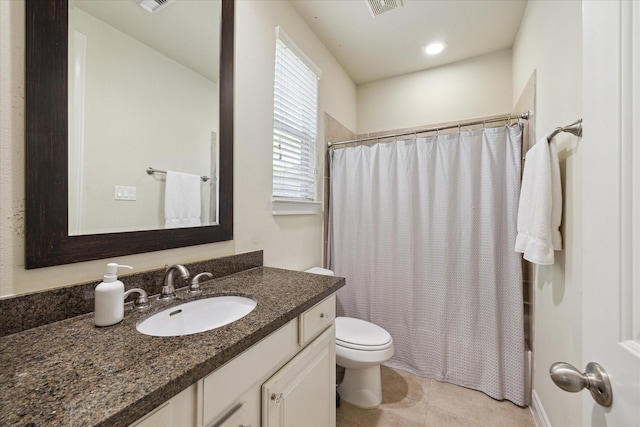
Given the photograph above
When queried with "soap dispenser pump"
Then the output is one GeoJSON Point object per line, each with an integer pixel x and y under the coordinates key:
{"type": "Point", "coordinates": [109, 303]}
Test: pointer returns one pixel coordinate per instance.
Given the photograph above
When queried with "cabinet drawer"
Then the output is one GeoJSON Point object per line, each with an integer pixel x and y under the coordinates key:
{"type": "Point", "coordinates": [233, 417]}
{"type": "Point", "coordinates": [179, 411]}
{"type": "Point", "coordinates": [244, 413]}
{"type": "Point", "coordinates": [159, 417]}
{"type": "Point", "coordinates": [316, 319]}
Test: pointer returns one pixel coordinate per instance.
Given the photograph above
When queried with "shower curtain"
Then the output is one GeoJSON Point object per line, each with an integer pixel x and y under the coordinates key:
{"type": "Point", "coordinates": [424, 230]}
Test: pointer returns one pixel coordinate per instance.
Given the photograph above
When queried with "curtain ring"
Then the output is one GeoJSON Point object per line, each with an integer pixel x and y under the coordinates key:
{"type": "Point", "coordinates": [459, 129]}
{"type": "Point", "coordinates": [484, 122]}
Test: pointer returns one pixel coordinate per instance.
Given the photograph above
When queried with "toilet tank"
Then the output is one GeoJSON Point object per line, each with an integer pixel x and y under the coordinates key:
{"type": "Point", "coordinates": [320, 270]}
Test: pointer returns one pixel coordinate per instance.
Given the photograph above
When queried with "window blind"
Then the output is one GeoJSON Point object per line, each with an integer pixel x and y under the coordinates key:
{"type": "Point", "coordinates": [295, 124]}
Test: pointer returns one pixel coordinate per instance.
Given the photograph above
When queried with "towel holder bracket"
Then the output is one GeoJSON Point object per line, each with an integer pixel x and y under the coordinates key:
{"type": "Point", "coordinates": [574, 128]}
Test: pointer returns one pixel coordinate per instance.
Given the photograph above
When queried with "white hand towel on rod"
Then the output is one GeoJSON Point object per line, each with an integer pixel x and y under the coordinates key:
{"type": "Point", "coordinates": [540, 206]}
{"type": "Point", "coordinates": [182, 200]}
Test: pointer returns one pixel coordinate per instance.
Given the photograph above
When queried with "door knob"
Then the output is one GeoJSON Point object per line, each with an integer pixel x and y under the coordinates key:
{"type": "Point", "coordinates": [595, 379]}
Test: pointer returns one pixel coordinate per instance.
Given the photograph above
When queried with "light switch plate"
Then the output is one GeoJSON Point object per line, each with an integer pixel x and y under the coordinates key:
{"type": "Point", "coordinates": [125, 193]}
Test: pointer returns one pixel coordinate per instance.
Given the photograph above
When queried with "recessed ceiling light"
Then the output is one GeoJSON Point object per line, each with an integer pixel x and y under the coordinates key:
{"type": "Point", "coordinates": [435, 48]}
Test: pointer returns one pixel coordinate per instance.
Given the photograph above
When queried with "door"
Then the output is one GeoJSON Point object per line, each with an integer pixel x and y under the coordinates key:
{"type": "Point", "coordinates": [611, 206]}
{"type": "Point", "coordinates": [302, 393]}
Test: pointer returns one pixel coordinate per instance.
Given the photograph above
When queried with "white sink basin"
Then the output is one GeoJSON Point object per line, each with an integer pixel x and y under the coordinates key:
{"type": "Point", "coordinates": [197, 316]}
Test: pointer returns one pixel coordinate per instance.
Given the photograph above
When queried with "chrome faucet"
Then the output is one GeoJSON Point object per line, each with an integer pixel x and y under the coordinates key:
{"type": "Point", "coordinates": [195, 283]}
{"type": "Point", "coordinates": [142, 301]}
{"type": "Point", "coordinates": [168, 291]}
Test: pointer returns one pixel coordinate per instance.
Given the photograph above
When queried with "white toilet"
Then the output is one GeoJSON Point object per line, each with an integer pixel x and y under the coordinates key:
{"type": "Point", "coordinates": [361, 347]}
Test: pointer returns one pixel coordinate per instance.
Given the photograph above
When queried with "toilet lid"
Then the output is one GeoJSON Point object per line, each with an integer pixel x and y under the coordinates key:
{"type": "Point", "coordinates": [360, 334]}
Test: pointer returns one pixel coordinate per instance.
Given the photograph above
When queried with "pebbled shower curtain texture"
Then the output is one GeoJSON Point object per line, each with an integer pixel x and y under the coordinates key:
{"type": "Point", "coordinates": [423, 230]}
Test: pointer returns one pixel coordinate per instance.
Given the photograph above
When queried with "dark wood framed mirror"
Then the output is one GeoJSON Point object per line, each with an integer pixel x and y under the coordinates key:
{"type": "Point", "coordinates": [48, 241]}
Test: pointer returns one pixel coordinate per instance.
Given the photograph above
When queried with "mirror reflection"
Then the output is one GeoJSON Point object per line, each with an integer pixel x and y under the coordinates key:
{"type": "Point", "coordinates": [143, 92]}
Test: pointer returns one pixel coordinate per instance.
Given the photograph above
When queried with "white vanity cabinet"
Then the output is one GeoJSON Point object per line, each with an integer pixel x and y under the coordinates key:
{"type": "Point", "coordinates": [302, 393]}
{"type": "Point", "coordinates": [230, 396]}
{"type": "Point", "coordinates": [179, 411]}
{"type": "Point", "coordinates": [296, 363]}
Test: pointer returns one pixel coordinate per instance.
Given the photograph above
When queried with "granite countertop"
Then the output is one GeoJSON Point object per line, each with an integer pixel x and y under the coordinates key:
{"type": "Point", "coordinates": [73, 373]}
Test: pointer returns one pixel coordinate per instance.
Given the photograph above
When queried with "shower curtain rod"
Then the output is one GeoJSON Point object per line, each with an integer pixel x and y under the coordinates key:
{"type": "Point", "coordinates": [523, 116]}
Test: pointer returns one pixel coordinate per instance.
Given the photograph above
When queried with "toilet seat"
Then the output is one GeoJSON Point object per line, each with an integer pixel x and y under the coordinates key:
{"type": "Point", "coordinates": [361, 335]}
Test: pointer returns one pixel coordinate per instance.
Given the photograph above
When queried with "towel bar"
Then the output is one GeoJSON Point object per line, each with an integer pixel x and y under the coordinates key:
{"type": "Point", "coordinates": [151, 171]}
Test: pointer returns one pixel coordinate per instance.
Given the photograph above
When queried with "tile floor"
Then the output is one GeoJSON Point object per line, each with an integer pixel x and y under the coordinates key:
{"type": "Point", "coordinates": [411, 401]}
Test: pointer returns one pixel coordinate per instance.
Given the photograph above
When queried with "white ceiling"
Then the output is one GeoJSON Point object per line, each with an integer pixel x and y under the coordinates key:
{"type": "Point", "coordinates": [187, 31]}
{"type": "Point", "coordinates": [391, 44]}
{"type": "Point", "coordinates": [368, 48]}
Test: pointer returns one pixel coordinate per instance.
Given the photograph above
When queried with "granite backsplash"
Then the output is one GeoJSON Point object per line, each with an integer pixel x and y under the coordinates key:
{"type": "Point", "coordinates": [26, 311]}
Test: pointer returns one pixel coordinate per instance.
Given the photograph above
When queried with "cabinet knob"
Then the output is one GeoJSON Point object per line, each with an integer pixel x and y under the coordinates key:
{"type": "Point", "coordinates": [277, 398]}
{"type": "Point", "coordinates": [324, 315]}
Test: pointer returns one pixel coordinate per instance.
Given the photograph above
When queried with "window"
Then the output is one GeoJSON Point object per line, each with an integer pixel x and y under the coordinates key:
{"type": "Point", "coordinates": [294, 130]}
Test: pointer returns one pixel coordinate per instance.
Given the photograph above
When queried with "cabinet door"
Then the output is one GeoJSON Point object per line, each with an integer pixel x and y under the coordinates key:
{"type": "Point", "coordinates": [303, 392]}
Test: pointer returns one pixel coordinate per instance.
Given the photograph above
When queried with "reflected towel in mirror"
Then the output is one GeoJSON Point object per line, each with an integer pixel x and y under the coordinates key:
{"type": "Point", "coordinates": [182, 200]}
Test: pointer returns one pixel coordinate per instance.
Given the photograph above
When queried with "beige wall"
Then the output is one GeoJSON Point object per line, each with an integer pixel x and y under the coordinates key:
{"type": "Point", "coordinates": [289, 242]}
{"type": "Point", "coordinates": [468, 89]}
{"type": "Point", "coordinates": [557, 58]}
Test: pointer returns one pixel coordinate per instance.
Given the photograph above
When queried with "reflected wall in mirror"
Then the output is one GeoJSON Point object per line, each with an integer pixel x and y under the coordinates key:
{"type": "Point", "coordinates": [50, 174]}
{"type": "Point", "coordinates": [143, 91]}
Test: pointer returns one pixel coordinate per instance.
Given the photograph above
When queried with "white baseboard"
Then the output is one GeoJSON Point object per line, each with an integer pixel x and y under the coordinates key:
{"type": "Point", "coordinates": [529, 378]}
{"type": "Point", "coordinates": [537, 410]}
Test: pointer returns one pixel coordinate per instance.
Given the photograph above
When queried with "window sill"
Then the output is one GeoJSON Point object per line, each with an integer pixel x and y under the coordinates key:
{"type": "Point", "coordinates": [295, 207]}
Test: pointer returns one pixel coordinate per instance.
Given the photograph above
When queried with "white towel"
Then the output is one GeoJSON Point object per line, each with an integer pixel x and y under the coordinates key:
{"type": "Point", "coordinates": [540, 208]}
{"type": "Point", "coordinates": [182, 200]}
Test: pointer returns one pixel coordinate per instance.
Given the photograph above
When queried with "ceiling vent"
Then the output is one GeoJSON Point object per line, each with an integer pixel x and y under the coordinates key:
{"type": "Point", "coordinates": [154, 6]}
{"type": "Point", "coordinates": [377, 7]}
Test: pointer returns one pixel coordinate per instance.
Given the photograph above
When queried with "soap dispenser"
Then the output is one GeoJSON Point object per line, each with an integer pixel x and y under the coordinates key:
{"type": "Point", "coordinates": [109, 304]}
